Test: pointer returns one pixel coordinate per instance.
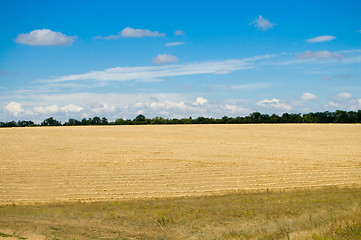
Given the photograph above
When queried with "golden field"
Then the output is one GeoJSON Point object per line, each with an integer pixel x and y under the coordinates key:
{"type": "Point", "coordinates": [100, 163]}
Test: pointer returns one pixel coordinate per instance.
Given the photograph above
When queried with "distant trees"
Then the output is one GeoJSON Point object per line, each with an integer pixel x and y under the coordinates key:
{"type": "Point", "coordinates": [338, 116]}
{"type": "Point", "coordinates": [90, 121]}
{"type": "Point", "coordinates": [50, 122]}
{"type": "Point", "coordinates": [25, 123]}
{"type": "Point", "coordinates": [72, 122]}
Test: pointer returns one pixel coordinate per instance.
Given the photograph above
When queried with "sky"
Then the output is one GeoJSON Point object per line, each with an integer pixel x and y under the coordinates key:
{"type": "Point", "coordinates": [177, 59]}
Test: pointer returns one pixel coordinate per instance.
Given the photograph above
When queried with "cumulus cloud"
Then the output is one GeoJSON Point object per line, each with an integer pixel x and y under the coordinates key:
{"type": "Point", "coordinates": [274, 103]}
{"type": "Point", "coordinates": [171, 44]}
{"type": "Point", "coordinates": [320, 55]}
{"type": "Point", "coordinates": [262, 23]}
{"type": "Point", "coordinates": [308, 97]}
{"type": "Point", "coordinates": [14, 108]}
{"type": "Point", "coordinates": [234, 109]}
{"type": "Point", "coordinates": [179, 33]}
{"type": "Point", "coordinates": [167, 105]}
{"type": "Point", "coordinates": [345, 101]}
{"type": "Point", "coordinates": [321, 39]}
{"type": "Point", "coordinates": [71, 108]}
{"type": "Point", "coordinates": [200, 101]}
{"type": "Point", "coordinates": [46, 110]}
{"type": "Point", "coordinates": [54, 109]}
{"type": "Point", "coordinates": [45, 37]}
{"type": "Point", "coordinates": [164, 59]}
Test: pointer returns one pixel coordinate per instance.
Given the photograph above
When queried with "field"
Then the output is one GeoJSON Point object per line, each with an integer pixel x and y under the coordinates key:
{"type": "Point", "coordinates": [47, 164]}
{"type": "Point", "coordinates": [54, 175]}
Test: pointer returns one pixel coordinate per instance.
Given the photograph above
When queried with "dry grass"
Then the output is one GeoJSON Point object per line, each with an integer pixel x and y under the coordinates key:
{"type": "Point", "coordinates": [327, 213]}
{"type": "Point", "coordinates": [47, 164]}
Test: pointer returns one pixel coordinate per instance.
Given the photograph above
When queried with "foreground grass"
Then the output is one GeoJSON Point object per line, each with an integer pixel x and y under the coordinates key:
{"type": "Point", "coordinates": [328, 213]}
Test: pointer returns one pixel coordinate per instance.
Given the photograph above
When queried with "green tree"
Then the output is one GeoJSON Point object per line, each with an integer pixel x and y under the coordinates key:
{"type": "Point", "coordinates": [72, 122]}
{"type": "Point", "coordinates": [139, 119]}
{"type": "Point", "coordinates": [50, 122]}
{"type": "Point", "coordinates": [96, 121]}
{"type": "Point", "coordinates": [104, 121]}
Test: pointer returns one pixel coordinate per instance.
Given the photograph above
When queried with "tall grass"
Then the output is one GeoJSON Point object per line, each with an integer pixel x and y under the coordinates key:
{"type": "Point", "coordinates": [327, 213]}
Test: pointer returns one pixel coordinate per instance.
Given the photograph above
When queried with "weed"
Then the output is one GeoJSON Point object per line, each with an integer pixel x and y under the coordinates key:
{"type": "Point", "coordinates": [162, 221]}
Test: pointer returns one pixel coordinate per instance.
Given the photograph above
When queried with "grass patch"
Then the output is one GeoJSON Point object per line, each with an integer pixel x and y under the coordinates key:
{"type": "Point", "coordinates": [327, 213]}
{"type": "Point", "coordinates": [4, 235]}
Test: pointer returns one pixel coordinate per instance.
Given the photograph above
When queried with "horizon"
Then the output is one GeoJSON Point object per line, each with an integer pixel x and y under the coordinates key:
{"type": "Point", "coordinates": [177, 59]}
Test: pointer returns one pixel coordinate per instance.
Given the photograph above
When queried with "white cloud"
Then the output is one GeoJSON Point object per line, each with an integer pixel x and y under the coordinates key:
{"type": "Point", "coordinates": [71, 108]}
{"type": "Point", "coordinates": [358, 31]}
{"type": "Point", "coordinates": [308, 97]}
{"type": "Point", "coordinates": [111, 37]}
{"type": "Point", "coordinates": [164, 59]}
{"type": "Point", "coordinates": [344, 95]}
{"type": "Point", "coordinates": [234, 109]}
{"type": "Point", "coordinates": [167, 105]}
{"type": "Point", "coordinates": [262, 23]}
{"type": "Point", "coordinates": [131, 32]}
{"type": "Point", "coordinates": [350, 51]}
{"type": "Point", "coordinates": [200, 101]}
{"type": "Point", "coordinates": [155, 72]}
{"type": "Point", "coordinates": [102, 108]}
{"type": "Point", "coordinates": [45, 37]}
{"type": "Point", "coordinates": [345, 101]}
{"type": "Point", "coordinates": [321, 39]}
{"type": "Point", "coordinates": [333, 104]}
{"type": "Point", "coordinates": [14, 108]}
{"type": "Point", "coordinates": [319, 55]}
{"type": "Point", "coordinates": [46, 110]}
{"type": "Point", "coordinates": [179, 33]}
{"type": "Point", "coordinates": [171, 44]}
{"type": "Point", "coordinates": [274, 103]}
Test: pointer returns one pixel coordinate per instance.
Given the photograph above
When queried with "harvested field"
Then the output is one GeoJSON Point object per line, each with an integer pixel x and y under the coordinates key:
{"type": "Point", "coordinates": [47, 164]}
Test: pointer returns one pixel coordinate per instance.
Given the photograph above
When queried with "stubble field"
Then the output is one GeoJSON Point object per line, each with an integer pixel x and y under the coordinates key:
{"type": "Point", "coordinates": [47, 164]}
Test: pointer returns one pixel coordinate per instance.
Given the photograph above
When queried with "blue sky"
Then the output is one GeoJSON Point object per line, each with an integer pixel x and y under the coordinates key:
{"type": "Point", "coordinates": [175, 59]}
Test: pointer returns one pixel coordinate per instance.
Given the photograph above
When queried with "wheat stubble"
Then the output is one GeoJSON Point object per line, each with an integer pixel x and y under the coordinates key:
{"type": "Point", "coordinates": [92, 163]}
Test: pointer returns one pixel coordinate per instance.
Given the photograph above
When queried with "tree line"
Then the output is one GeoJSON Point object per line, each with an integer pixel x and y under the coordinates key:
{"type": "Point", "coordinates": [338, 116]}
